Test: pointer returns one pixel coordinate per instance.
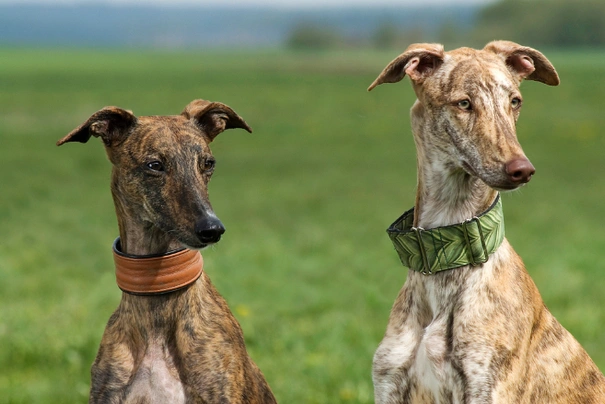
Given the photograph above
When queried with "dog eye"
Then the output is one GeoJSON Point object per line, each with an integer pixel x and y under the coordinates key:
{"type": "Point", "coordinates": [465, 105]}
{"type": "Point", "coordinates": [155, 166]}
{"type": "Point", "coordinates": [209, 164]}
{"type": "Point", "coordinates": [515, 103]}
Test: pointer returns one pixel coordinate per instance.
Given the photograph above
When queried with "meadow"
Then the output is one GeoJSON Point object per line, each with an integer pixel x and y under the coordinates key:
{"type": "Point", "coordinates": [305, 265]}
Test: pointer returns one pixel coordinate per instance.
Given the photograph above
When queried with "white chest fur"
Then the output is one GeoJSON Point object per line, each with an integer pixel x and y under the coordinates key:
{"type": "Point", "coordinates": [415, 362]}
{"type": "Point", "coordinates": [156, 380]}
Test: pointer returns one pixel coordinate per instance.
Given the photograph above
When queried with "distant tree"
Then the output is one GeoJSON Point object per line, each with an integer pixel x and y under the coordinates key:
{"type": "Point", "coordinates": [312, 36]}
{"type": "Point", "coordinates": [415, 35]}
{"type": "Point", "coordinates": [452, 35]}
{"type": "Point", "coordinates": [544, 22]}
{"type": "Point", "coordinates": [387, 35]}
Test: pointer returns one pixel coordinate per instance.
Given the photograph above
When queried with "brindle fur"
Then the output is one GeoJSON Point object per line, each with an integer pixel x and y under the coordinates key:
{"type": "Point", "coordinates": [474, 334]}
{"type": "Point", "coordinates": [184, 346]}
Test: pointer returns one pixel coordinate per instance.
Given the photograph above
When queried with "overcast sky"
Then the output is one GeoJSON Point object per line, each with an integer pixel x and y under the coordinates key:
{"type": "Point", "coordinates": [278, 3]}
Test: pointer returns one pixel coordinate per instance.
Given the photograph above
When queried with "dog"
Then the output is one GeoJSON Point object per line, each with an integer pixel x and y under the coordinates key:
{"type": "Point", "coordinates": [173, 338]}
{"type": "Point", "coordinates": [469, 325]}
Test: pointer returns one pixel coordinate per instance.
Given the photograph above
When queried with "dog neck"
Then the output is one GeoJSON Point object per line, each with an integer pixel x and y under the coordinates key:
{"type": "Point", "coordinates": [139, 237]}
{"type": "Point", "coordinates": [445, 194]}
{"type": "Point", "coordinates": [156, 274]}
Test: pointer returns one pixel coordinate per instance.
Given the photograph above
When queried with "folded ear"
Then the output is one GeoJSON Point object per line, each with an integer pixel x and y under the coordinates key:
{"type": "Point", "coordinates": [419, 61]}
{"type": "Point", "coordinates": [112, 124]}
{"type": "Point", "coordinates": [525, 62]}
{"type": "Point", "coordinates": [213, 117]}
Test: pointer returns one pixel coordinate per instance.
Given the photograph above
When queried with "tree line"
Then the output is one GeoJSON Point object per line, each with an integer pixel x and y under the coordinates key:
{"type": "Point", "coordinates": [547, 23]}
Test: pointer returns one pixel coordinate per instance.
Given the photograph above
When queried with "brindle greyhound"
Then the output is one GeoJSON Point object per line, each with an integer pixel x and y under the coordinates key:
{"type": "Point", "coordinates": [479, 333]}
{"type": "Point", "coordinates": [172, 339]}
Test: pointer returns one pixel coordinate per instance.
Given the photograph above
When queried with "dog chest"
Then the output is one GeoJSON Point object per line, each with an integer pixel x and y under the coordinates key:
{"type": "Point", "coordinates": [156, 380]}
{"type": "Point", "coordinates": [414, 366]}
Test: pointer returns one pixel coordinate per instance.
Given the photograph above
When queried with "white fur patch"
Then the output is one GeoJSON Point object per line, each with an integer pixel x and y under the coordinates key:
{"type": "Point", "coordinates": [153, 382]}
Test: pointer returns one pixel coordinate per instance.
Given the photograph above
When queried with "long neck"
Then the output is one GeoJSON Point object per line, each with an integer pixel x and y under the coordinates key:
{"type": "Point", "coordinates": [138, 236]}
{"type": "Point", "coordinates": [446, 194]}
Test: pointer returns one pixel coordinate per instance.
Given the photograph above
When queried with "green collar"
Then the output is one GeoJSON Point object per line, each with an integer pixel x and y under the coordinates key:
{"type": "Point", "coordinates": [442, 248]}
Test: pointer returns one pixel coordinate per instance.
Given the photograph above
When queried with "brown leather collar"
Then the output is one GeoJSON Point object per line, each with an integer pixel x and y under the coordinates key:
{"type": "Point", "coordinates": [156, 274]}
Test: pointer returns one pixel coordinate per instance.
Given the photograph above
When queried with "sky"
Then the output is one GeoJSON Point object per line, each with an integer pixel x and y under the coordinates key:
{"type": "Point", "coordinates": [274, 3]}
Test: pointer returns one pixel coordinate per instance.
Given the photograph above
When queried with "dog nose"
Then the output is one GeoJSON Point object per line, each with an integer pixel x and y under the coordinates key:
{"type": "Point", "coordinates": [520, 170]}
{"type": "Point", "coordinates": [209, 229]}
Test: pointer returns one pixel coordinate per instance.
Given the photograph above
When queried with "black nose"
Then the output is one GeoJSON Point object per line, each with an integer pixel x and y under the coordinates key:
{"type": "Point", "coordinates": [209, 229]}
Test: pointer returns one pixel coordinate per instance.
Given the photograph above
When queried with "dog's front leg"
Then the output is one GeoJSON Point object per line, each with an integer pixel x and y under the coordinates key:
{"type": "Point", "coordinates": [110, 374]}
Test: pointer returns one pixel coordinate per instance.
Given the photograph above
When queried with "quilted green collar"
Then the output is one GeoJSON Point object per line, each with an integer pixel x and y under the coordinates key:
{"type": "Point", "coordinates": [433, 250]}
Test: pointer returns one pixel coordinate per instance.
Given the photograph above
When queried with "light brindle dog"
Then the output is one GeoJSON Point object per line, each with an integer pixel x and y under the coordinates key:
{"type": "Point", "coordinates": [475, 334]}
{"type": "Point", "coordinates": [181, 346]}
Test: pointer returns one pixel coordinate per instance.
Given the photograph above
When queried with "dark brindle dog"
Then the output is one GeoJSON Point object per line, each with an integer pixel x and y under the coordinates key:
{"type": "Point", "coordinates": [172, 339]}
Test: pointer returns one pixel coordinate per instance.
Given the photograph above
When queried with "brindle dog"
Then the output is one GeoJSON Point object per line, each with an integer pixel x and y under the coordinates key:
{"type": "Point", "coordinates": [474, 334]}
{"type": "Point", "coordinates": [184, 346]}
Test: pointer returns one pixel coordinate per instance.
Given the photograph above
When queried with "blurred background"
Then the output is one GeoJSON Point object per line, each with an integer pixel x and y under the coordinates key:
{"type": "Point", "coordinates": [305, 264]}
{"type": "Point", "coordinates": [298, 24]}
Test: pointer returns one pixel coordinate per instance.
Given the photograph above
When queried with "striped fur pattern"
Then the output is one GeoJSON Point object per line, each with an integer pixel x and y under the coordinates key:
{"type": "Point", "coordinates": [184, 346]}
{"type": "Point", "coordinates": [474, 334]}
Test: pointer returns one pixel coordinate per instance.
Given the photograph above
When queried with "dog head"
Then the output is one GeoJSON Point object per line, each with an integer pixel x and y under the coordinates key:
{"type": "Point", "coordinates": [468, 105]}
{"type": "Point", "coordinates": [162, 166]}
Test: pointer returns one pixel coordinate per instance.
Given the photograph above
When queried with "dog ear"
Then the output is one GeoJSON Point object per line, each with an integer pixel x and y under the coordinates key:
{"type": "Point", "coordinates": [213, 117]}
{"type": "Point", "coordinates": [111, 124]}
{"type": "Point", "coordinates": [525, 62]}
{"type": "Point", "coordinates": [419, 61]}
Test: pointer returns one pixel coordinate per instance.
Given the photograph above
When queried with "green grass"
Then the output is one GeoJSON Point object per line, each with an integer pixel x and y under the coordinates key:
{"type": "Point", "coordinates": [305, 265]}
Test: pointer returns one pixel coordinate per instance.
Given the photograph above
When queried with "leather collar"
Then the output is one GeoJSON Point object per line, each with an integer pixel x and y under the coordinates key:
{"type": "Point", "coordinates": [429, 251]}
{"type": "Point", "coordinates": [156, 274]}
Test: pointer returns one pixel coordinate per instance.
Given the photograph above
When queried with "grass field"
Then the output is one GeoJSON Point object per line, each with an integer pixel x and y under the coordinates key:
{"type": "Point", "coordinates": [305, 265]}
